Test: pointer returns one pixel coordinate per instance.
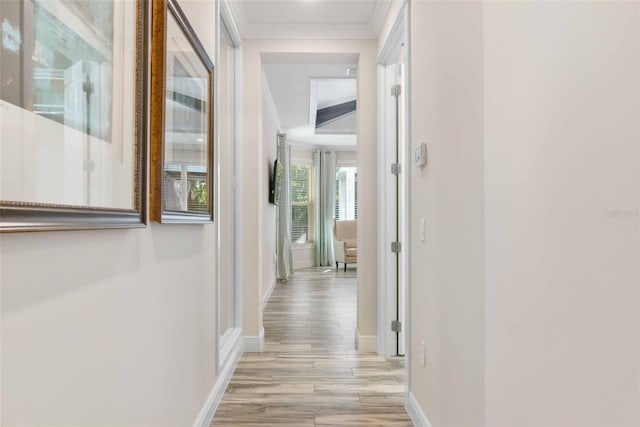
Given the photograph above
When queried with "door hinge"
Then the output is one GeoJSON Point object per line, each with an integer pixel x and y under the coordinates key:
{"type": "Point", "coordinates": [396, 247]}
{"type": "Point", "coordinates": [396, 326]}
{"type": "Point", "coordinates": [396, 168]}
{"type": "Point", "coordinates": [396, 90]}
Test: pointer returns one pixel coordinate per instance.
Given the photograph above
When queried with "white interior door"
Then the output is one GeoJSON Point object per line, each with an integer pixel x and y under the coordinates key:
{"type": "Point", "coordinates": [397, 136]}
{"type": "Point", "coordinates": [393, 201]}
{"type": "Point", "coordinates": [401, 203]}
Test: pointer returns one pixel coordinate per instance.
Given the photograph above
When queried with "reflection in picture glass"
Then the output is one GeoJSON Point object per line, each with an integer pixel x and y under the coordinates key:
{"type": "Point", "coordinates": [186, 173]}
{"type": "Point", "coordinates": [68, 98]}
{"type": "Point", "coordinates": [66, 74]}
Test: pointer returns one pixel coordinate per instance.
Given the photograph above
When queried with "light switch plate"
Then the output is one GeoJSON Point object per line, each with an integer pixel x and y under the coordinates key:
{"type": "Point", "coordinates": [423, 354]}
{"type": "Point", "coordinates": [420, 155]}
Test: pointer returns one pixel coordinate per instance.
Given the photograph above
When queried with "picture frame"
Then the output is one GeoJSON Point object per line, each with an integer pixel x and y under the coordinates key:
{"type": "Point", "coordinates": [182, 118]}
{"type": "Point", "coordinates": [73, 115]}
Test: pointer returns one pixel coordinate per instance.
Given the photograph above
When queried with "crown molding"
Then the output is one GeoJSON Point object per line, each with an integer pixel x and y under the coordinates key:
{"type": "Point", "coordinates": [228, 18]}
{"type": "Point", "coordinates": [380, 12]}
{"type": "Point", "coordinates": [240, 16]}
{"type": "Point", "coordinates": [306, 31]}
{"type": "Point", "coordinates": [371, 30]}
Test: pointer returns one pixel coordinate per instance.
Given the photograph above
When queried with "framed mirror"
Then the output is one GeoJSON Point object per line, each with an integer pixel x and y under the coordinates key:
{"type": "Point", "coordinates": [72, 114]}
{"type": "Point", "coordinates": [181, 120]}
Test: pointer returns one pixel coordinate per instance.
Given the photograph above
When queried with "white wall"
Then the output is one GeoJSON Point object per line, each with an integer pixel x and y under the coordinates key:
{"type": "Point", "coordinates": [526, 290]}
{"type": "Point", "coordinates": [254, 176]}
{"type": "Point", "coordinates": [346, 158]}
{"type": "Point", "coordinates": [112, 327]}
{"type": "Point", "coordinates": [447, 275]}
{"type": "Point", "coordinates": [562, 146]}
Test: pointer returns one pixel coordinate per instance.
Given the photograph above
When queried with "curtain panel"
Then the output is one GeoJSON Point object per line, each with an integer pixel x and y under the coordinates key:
{"type": "Point", "coordinates": [324, 163]}
{"type": "Point", "coordinates": [285, 257]}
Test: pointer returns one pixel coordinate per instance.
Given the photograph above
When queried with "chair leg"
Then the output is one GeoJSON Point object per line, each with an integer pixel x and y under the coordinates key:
{"type": "Point", "coordinates": [345, 267]}
{"type": "Point", "coordinates": [336, 265]}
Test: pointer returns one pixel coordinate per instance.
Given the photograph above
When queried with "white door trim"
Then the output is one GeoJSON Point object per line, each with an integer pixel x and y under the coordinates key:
{"type": "Point", "coordinates": [387, 299]}
{"type": "Point", "coordinates": [225, 20]}
{"type": "Point", "coordinates": [386, 212]}
{"type": "Point", "coordinates": [382, 263]}
{"type": "Point", "coordinates": [408, 152]}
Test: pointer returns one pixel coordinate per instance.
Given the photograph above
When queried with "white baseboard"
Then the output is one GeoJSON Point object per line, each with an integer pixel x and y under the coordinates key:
{"type": "Point", "coordinates": [416, 413]}
{"type": "Point", "coordinates": [224, 376]}
{"type": "Point", "coordinates": [366, 343]}
{"type": "Point", "coordinates": [252, 344]}
{"type": "Point", "coordinates": [267, 295]}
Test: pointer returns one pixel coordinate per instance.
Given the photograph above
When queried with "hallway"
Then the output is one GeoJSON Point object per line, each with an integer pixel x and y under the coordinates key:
{"type": "Point", "coordinates": [309, 373]}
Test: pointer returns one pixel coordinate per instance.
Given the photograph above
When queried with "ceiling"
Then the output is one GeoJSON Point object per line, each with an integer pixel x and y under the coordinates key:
{"type": "Point", "coordinates": [288, 78]}
{"type": "Point", "coordinates": [322, 19]}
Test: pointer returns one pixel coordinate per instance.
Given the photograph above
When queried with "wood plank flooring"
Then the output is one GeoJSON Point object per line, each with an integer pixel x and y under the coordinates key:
{"type": "Point", "coordinates": [309, 373]}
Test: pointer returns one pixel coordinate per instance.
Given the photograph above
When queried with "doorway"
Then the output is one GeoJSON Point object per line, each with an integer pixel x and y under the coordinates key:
{"type": "Point", "coordinates": [310, 102]}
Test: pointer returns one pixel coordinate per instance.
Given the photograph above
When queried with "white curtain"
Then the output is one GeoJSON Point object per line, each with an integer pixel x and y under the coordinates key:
{"type": "Point", "coordinates": [324, 163]}
{"type": "Point", "coordinates": [285, 260]}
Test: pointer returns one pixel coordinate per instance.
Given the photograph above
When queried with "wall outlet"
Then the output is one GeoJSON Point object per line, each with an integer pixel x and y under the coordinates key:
{"type": "Point", "coordinates": [423, 354]}
{"type": "Point", "coordinates": [275, 258]}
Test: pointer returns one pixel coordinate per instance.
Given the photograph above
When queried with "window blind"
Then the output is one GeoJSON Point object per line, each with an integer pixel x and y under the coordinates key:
{"type": "Point", "coordinates": [346, 207]}
{"type": "Point", "coordinates": [196, 197]}
{"type": "Point", "coordinates": [300, 188]}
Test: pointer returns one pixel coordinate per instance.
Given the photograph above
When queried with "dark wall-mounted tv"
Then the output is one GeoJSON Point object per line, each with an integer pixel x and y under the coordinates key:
{"type": "Point", "coordinates": [275, 175]}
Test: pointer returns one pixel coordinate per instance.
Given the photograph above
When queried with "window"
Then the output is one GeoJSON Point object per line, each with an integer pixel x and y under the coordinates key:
{"type": "Point", "coordinates": [300, 202]}
{"type": "Point", "coordinates": [194, 179]}
{"type": "Point", "coordinates": [346, 193]}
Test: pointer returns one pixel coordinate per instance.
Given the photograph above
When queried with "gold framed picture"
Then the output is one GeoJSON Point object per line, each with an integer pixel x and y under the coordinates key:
{"type": "Point", "coordinates": [182, 135]}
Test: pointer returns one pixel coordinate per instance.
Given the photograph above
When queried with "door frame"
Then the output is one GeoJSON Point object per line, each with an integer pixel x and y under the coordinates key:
{"type": "Point", "coordinates": [226, 348]}
{"type": "Point", "coordinates": [387, 291]}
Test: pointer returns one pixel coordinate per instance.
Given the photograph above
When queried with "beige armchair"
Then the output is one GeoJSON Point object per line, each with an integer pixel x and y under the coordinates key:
{"type": "Point", "coordinates": [345, 245]}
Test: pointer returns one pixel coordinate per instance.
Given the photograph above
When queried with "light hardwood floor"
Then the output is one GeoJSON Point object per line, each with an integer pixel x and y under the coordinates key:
{"type": "Point", "coordinates": [309, 373]}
